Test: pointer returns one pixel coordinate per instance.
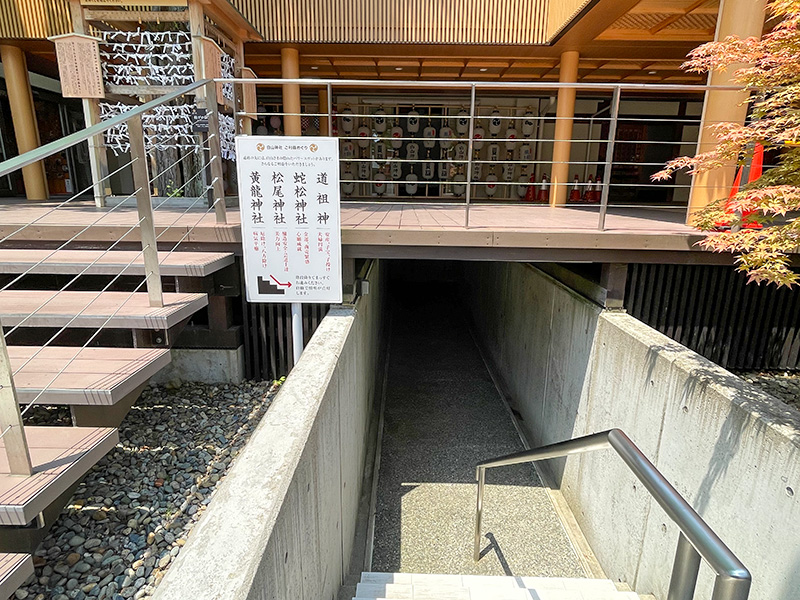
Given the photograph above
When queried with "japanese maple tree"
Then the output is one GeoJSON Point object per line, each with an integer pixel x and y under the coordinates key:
{"type": "Point", "coordinates": [772, 75]}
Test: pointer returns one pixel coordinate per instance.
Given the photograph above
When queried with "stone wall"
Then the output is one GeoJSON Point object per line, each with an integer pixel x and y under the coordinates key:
{"type": "Point", "coordinates": [282, 523]}
{"type": "Point", "coordinates": [733, 451]}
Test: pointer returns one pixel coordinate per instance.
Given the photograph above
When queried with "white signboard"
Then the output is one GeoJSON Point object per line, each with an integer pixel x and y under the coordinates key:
{"type": "Point", "coordinates": [289, 202]}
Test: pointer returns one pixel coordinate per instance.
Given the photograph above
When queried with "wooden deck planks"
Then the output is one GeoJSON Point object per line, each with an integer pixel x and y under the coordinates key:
{"type": "Point", "coordinates": [131, 311]}
{"type": "Point", "coordinates": [99, 262]}
{"type": "Point", "coordinates": [61, 456]}
{"type": "Point", "coordinates": [91, 376]}
{"type": "Point", "coordinates": [14, 570]}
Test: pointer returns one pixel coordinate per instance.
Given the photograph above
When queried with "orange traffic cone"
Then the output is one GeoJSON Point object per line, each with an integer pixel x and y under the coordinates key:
{"type": "Point", "coordinates": [543, 195]}
{"type": "Point", "coordinates": [575, 192]}
{"type": "Point", "coordinates": [588, 190]}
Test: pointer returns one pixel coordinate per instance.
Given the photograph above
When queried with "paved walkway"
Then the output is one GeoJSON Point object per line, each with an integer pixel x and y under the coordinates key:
{"type": "Point", "coordinates": [442, 416]}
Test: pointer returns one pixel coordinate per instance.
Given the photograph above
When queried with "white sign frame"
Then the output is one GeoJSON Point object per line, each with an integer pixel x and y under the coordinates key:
{"type": "Point", "coordinates": [291, 222]}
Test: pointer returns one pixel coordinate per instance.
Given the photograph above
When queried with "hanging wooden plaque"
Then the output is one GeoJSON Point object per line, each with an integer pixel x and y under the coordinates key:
{"type": "Point", "coordinates": [212, 65]}
{"type": "Point", "coordinates": [79, 66]}
{"type": "Point", "coordinates": [250, 102]}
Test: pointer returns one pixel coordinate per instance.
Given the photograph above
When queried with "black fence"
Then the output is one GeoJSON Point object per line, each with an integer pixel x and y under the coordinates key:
{"type": "Point", "coordinates": [716, 313]}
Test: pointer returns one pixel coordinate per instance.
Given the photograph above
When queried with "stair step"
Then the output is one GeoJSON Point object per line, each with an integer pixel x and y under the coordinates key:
{"type": "Point", "coordinates": [133, 311]}
{"type": "Point", "coordinates": [72, 262]}
{"type": "Point", "coordinates": [559, 583]}
{"type": "Point", "coordinates": [61, 456]}
{"type": "Point", "coordinates": [95, 376]}
{"type": "Point", "coordinates": [14, 570]}
{"type": "Point", "coordinates": [422, 586]}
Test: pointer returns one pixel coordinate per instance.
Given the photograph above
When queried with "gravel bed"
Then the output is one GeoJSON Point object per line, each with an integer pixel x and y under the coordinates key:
{"type": "Point", "coordinates": [129, 518]}
{"type": "Point", "coordinates": [784, 386]}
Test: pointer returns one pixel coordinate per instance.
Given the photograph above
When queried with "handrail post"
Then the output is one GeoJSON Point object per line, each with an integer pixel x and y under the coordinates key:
{"type": "Point", "coordinates": [469, 155]}
{"type": "Point", "coordinates": [19, 457]}
{"type": "Point", "coordinates": [612, 136]}
{"type": "Point", "coordinates": [215, 153]}
{"type": "Point", "coordinates": [731, 588]}
{"type": "Point", "coordinates": [684, 571]}
{"type": "Point", "coordinates": [481, 477]}
{"type": "Point", "coordinates": [147, 229]}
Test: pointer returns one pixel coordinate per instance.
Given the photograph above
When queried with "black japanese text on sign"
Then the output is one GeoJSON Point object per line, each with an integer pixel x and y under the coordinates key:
{"type": "Point", "coordinates": [289, 204]}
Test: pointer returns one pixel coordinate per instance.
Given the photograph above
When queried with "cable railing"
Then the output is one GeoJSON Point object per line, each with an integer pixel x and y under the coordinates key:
{"type": "Point", "coordinates": [146, 163]}
{"type": "Point", "coordinates": [463, 142]}
{"type": "Point", "coordinates": [696, 541]}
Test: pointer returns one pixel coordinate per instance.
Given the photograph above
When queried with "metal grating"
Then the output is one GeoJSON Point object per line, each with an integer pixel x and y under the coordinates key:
{"type": "Point", "coordinates": [399, 21]}
{"type": "Point", "coordinates": [34, 19]}
{"type": "Point", "coordinates": [713, 311]}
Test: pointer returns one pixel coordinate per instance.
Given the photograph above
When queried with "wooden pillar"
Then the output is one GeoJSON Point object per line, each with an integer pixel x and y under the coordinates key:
{"type": "Point", "coordinates": [565, 111]}
{"type": "Point", "coordinates": [323, 109]}
{"type": "Point", "coordinates": [290, 69]}
{"type": "Point", "coordinates": [98, 161]}
{"type": "Point", "coordinates": [23, 116]}
{"type": "Point", "coordinates": [743, 18]}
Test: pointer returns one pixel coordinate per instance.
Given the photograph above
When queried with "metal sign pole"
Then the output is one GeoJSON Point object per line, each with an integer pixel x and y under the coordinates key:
{"type": "Point", "coordinates": [297, 331]}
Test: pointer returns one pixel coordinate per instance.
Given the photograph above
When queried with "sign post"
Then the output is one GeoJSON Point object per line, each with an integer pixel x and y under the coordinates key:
{"type": "Point", "coordinates": [290, 208]}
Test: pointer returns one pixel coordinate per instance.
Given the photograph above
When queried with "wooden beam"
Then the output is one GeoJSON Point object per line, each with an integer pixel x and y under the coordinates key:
{"type": "Point", "coordinates": [672, 19]}
{"type": "Point", "coordinates": [143, 16]}
{"type": "Point", "coordinates": [19, 457]}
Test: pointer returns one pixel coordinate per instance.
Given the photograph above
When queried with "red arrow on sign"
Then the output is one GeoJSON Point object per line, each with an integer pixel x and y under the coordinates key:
{"type": "Point", "coordinates": [288, 285]}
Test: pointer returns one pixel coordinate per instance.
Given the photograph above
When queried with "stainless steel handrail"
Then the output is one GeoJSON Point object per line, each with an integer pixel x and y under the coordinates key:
{"type": "Point", "coordinates": [696, 539]}
{"type": "Point", "coordinates": [42, 152]}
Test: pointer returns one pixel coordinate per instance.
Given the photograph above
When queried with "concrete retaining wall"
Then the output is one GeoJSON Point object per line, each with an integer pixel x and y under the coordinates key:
{"type": "Point", "coordinates": [281, 524]}
{"type": "Point", "coordinates": [730, 449]}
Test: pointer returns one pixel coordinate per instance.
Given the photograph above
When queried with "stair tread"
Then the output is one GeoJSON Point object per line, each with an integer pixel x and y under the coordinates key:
{"type": "Point", "coordinates": [132, 310]}
{"type": "Point", "coordinates": [72, 262]}
{"type": "Point", "coordinates": [61, 456]}
{"type": "Point", "coordinates": [422, 586]}
{"type": "Point", "coordinates": [14, 570]}
{"type": "Point", "coordinates": [91, 375]}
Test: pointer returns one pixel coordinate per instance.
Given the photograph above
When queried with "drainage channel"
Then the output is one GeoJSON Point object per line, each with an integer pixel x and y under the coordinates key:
{"type": "Point", "coordinates": [442, 415]}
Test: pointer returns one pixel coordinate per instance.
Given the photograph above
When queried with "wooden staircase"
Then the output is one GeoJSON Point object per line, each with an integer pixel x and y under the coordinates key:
{"type": "Point", "coordinates": [41, 466]}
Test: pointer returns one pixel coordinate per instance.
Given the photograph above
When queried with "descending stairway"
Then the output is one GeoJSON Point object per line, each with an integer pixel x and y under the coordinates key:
{"type": "Point", "coordinates": [408, 586]}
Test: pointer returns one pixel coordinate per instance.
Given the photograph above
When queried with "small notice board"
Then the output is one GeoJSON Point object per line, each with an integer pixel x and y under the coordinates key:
{"type": "Point", "coordinates": [289, 203]}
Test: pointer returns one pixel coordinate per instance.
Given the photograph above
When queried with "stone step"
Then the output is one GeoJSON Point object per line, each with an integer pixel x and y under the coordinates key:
{"type": "Point", "coordinates": [14, 570]}
{"type": "Point", "coordinates": [104, 262]}
{"type": "Point", "coordinates": [91, 376]}
{"type": "Point", "coordinates": [61, 456]}
{"type": "Point", "coordinates": [413, 586]}
{"type": "Point", "coordinates": [130, 311]}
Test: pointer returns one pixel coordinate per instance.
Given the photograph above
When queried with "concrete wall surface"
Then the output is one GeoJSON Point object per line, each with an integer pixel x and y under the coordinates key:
{"type": "Point", "coordinates": [732, 450]}
{"type": "Point", "coordinates": [204, 365]}
{"type": "Point", "coordinates": [281, 524]}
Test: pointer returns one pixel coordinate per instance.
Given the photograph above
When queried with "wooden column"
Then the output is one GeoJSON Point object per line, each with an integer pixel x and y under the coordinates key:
{"type": "Point", "coordinates": [23, 117]}
{"type": "Point", "coordinates": [290, 69]}
{"type": "Point", "coordinates": [323, 109]}
{"type": "Point", "coordinates": [743, 18]}
{"type": "Point", "coordinates": [565, 111]}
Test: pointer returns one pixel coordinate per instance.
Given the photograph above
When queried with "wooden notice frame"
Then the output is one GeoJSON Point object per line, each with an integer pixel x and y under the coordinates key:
{"type": "Point", "coordinates": [79, 66]}
{"type": "Point", "coordinates": [212, 64]}
{"type": "Point", "coordinates": [249, 99]}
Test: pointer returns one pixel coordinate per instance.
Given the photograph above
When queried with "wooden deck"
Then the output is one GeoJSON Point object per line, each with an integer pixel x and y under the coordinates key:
{"type": "Point", "coordinates": [130, 311]}
{"type": "Point", "coordinates": [14, 570]}
{"type": "Point", "coordinates": [60, 456]}
{"type": "Point", "coordinates": [368, 226]}
{"type": "Point", "coordinates": [98, 262]}
{"type": "Point", "coordinates": [91, 376]}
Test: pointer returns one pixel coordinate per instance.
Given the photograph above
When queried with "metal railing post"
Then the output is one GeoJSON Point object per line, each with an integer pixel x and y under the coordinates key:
{"type": "Point", "coordinates": [19, 457]}
{"type": "Point", "coordinates": [215, 153]}
{"type": "Point", "coordinates": [480, 475]}
{"type": "Point", "coordinates": [684, 571]}
{"type": "Point", "coordinates": [612, 136]}
{"type": "Point", "coordinates": [147, 229]}
{"type": "Point", "coordinates": [469, 153]}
